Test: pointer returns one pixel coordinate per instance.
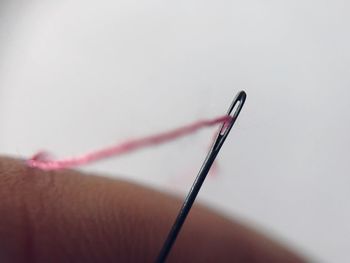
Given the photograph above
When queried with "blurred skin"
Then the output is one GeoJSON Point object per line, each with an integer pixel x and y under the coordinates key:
{"type": "Point", "coordinates": [67, 216]}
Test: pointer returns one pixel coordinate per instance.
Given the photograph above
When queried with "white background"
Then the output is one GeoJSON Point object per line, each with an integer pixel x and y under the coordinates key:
{"type": "Point", "coordinates": [78, 75]}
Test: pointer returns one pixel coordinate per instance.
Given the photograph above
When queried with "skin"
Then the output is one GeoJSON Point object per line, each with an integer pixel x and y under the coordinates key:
{"type": "Point", "coordinates": [67, 216]}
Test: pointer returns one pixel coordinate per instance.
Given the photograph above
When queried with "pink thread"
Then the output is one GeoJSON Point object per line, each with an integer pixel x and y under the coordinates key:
{"type": "Point", "coordinates": [42, 161]}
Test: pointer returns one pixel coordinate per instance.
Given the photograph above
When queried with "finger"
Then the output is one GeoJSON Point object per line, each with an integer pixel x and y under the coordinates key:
{"type": "Point", "coordinates": [66, 216]}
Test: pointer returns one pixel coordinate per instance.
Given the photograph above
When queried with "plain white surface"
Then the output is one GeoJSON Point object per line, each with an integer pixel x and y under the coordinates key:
{"type": "Point", "coordinates": [77, 75]}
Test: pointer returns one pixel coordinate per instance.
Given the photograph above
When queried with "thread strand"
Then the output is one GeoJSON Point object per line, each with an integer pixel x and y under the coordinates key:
{"type": "Point", "coordinates": [42, 160]}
